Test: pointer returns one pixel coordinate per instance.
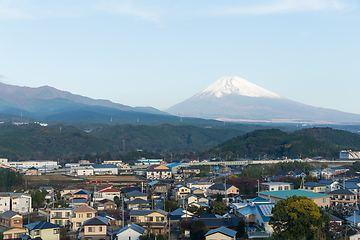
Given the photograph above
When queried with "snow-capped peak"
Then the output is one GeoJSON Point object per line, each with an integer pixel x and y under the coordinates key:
{"type": "Point", "coordinates": [236, 85]}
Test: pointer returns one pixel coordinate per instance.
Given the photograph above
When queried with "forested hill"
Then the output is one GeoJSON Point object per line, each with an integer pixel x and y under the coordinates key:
{"type": "Point", "coordinates": [177, 138]}
{"type": "Point", "coordinates": [275, 143]}
{"type": "Point", "coordinates": [338, 137]}
{"type": "Point", "coordinates": [64, 141]}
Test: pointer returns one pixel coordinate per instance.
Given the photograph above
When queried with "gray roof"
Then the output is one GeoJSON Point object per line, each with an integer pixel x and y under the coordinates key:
{"type": "Point", "coordinates": [41, 225]}
{"type": "Point", "coordinates": [134, 227]}
{"type": "Point", "coordinates": [314, 184]}
{"type": "Point", "coordinates": [9, 214]}
{"type": "Point", "coordinates": [135, 194]}
{"type": "Point", "coordinates": [223, 230]}
{"type": "Point", "coordinates": [146, 212]}
{"type": "Point", "coordinates": [343, 191]}
{"type": "Point", "coordinates": [138, 201]}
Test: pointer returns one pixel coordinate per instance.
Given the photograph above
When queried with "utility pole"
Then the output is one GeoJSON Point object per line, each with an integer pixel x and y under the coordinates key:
{"type": "Point", "coordinates": [122, 202]}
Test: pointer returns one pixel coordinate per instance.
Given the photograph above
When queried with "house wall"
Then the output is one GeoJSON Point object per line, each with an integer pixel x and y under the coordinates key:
{"type": "Point", "coordinates": [79, 218]}
{"type": "Point", "coordinates": [128, 234]}
{"type": "Point", "coordinates": [21, 204]}
{"type": "Point", "coordinates": [154, 215]}
{"type": "Point", "coordinates": [219, 236]}
{"type": "Point", "coordinates": [97, 230]}
{"type": "Point", "coordinates": [4, 204]}
{"type": "Point", "coordinates": [48, 234]}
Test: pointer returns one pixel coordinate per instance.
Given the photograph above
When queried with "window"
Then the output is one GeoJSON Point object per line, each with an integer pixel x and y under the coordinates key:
{"type": "Point", "coordinates": [91, 229]}
{"type": "Point", "coordinates": [100, 229]}
{"type": "Point", "coordinates": [56, 231]}
{"type": "Point", "coordinates": [324, 200]}
{"type": "Point", "coordinates": [89, 215]}
{"type": "Point", "coordinates": [36, 232]}
{"type": "Point", "coordinates": [78, 224]}
{"type": "Point", "coordinates": [16, 221]}
{"type": "Point", "coordinates": [148, 219]}
{"type": "Point", "coordinates": [159, 219]}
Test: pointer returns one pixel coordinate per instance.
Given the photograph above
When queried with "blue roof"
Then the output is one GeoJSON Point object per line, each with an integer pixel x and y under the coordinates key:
{"type": "Point", "coordinates": [178, 211]}
{"type": "Point", "coordinates": [104, 166]}
{"type": "Point", "coordinates": [223, 230]}
{"type": "Point", "coordinates": [41, 225]}
{"type": "Point", "coordinates": [246, 211]}
{"type": "Point", "coordinates": [174, 165]}
{"type": "Point", "coordinates": [134, 227]}
{"type": "Point", "coordinates": [96, 221]}
{"type": "Point", "coordinates": [259, 199]}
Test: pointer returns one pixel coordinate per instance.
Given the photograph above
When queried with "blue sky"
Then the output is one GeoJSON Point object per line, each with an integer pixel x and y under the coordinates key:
{"type": "Point", "coordinates": [159, 53]}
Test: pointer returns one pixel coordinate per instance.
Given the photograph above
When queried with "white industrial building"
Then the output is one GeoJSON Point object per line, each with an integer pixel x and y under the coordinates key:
{"type": "Point", "coordinates": [43, 164]}
{"type": "Point", "coordinates": [348, 154]}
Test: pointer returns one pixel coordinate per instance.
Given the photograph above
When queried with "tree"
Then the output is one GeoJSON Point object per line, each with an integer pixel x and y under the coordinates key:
{"type": "Point", "coordinates": [148, 227]}
{"type": "Point", "coordinates": [240, 228]}
{"type": "Point", "coordinates": [198, 230]}
{"type": "Point", "coordinates": [297, 217]}
{"type": "Point", "coordinates": [171, 206]}
{"type": "Point", "coordinates": [219, 208]}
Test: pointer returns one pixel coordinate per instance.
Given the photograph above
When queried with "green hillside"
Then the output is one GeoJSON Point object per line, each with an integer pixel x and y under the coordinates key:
{"type": "Point", "coordinates": [274, 143]}
{"type": "Point", "coordinates": [166, 137]}
{"type": "Point", "coordinates": [35, 142]}
{"type": "Point", "coordinates": [338, 137]}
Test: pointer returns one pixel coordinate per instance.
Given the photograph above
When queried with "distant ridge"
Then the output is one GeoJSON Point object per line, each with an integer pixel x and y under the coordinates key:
{"type": "Point", "coordinates": [232, 98]}
{"type": "Point", "coordinates": [45, 101]}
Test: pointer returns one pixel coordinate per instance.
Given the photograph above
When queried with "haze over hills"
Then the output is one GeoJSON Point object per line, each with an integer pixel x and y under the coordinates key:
{"type": "Point", "coordinates": [235, 99]}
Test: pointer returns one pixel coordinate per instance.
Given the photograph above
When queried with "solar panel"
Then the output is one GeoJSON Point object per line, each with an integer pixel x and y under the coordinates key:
{"type": "Point", "coordinates": [266, 209]}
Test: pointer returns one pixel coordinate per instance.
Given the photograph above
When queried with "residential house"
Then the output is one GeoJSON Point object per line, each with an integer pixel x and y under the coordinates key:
{"type": "Point", "coordinates": [320, 199]}
{"type": "Point", "coordinates": [351, 221]}
{"type": "Point", "coordinates": [14, 233]}
{"type": "Point", "coordinates": [331, 172]}
{"type": "Point", "coordinates": [222, 189]}
{"type": "Point", "coordinates": [108, 192]}
{"type": "Point", "coordinates": [11, 219]}
{"type": "Point", "coordinates": [179, 192]}
{"type": "Point", "coordinates": [115, 218]}
{"type": "Point", "coordinates": [42, 230]}
{"type": "Point", "coordinates": [330, 185]}
{"type": "Point", "coordinates": [61, 216]}
{"type": "Point", "coordinates": [262, 217]}
{"type": "Point", "coordinates": [130, 232]}
{"type": "Point", "coordinates": [187, 172]}
{"type": "Point", "coordinates": [179, 215]}
{"type": "Point", "coordinates": [68, 191]}
{"type": "Point", "coordinates": [5, 203]}
{"type": "Point", "coordinates": [158, 187]}
{"type": "Point", "coordinates": [117, 163]}
{"type": "Point", "coordinates": [21, 203]}
{"type": "Point", "coordinates": [80, 215]}
{"type": "Point", "coordinates": [197, 191]}
{"type": "Point", "coordinates": [158, 172]}
{"type": "Point", "coordinates": [32, 171]}
{"type": "Point", "coordinates": [276, 186]}
{"type": "Point", "coordinates": [136, 194]}
{"type": "Point", "coordinates": [201, 185]}
{"type": "Point", "coordinates": [138, 204]}
{"type": "Point", "coordinates": [221, 233]}
{"type": "Point", "coordinates": [315, 173]}
{"type": "Point", "coordinates": [345, 197]}
{"type": "Point", "coordinates": [95, 228]}
{"type": "Point", "coordinates": [81, 193]}
{"type": "Point", "coordinates": [157, 218]}
{"type": "Point", "coordinates": [314, 187]}
{"type": "Point", "coordinates": [105, 205]}
{"type": "Point", "coordinates": [213, 221]}
{"type": "Point", "coordinates": [187, 200]}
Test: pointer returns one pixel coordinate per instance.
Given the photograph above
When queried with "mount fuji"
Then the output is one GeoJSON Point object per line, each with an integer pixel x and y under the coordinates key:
{"type": "Point", "coordinates": [234, 99]}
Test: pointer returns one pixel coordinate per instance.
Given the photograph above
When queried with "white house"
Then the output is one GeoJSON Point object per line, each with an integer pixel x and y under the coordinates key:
{"type": "Point", "coordinates": [21, 203]}
{"type": "Point", "coordinates": [107, 193]}
{"type": "Point", "coordinates": [221, 233]}
{"type": "Point", "coordinates": [130, 232]}
{"type": "Point", "coordinates": [262, 216]}
{"type": "Point", "coordinates": [201, 185]}
{"type": "Point", "coordinates": [4, 203]}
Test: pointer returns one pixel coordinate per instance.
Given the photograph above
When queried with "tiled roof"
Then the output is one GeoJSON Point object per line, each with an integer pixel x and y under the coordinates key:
{"type": "Point", "coordinates": [96, 221]}
{"type": "Point", "coordinates": [9, 214]}
{"type": "Point", "coordinates": [223, 230]}
{"type": "Point", "coordinates": [109, 190]}
{"type": "Point", "coordinates": [134, 227]}
{"type": "Point", "coordinates": [138, 201]}
{"type": "Point", "coordinates": [135, 194]}
{"type": "Point", "coordinates": [219, 186]}
{"type": "Point", "coordinates": [41, 225]}
{"type": "Point", "coordinates": [288, 193]}
{"type": "Point", "coordinates": [83, 208]}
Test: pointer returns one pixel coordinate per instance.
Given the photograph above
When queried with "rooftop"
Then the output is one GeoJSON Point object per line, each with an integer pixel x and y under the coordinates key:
{"type": "Point", "coordinates": [288, 193]}
{"type": "Point", "coordinates": [223, 230]}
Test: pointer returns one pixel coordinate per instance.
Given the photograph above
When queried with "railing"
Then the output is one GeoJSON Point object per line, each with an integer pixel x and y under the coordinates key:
{"type": "Point", "coordinates": [258, 234]}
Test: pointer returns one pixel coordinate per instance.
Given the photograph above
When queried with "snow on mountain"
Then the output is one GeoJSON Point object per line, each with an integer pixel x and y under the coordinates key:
{"type": "Point", "coordinates": [235, 99]}
{"type": "Point", "coordinates": [236, 85]}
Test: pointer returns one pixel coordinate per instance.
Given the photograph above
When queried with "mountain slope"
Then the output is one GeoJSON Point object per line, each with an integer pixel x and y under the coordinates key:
{"type": "Point", "coordinates": [235, 99]}
{"type": "Point", "coordinates": [275, 143]}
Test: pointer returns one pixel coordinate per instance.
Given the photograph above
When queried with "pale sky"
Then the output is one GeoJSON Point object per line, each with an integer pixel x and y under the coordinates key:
{"type": "Point", "coordinates": [159, 53]}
